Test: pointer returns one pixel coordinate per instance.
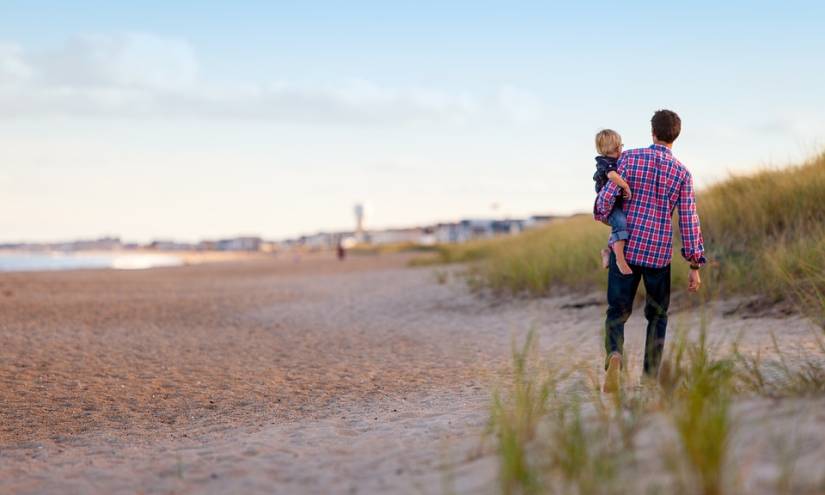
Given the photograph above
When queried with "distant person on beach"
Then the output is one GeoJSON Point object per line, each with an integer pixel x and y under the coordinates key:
{"type": "Point", "coordinates": [609, 146]}
{"type": "Point", "coordinates": [660, 185]}
{"type": "Point", "coordinates": [341, 251]}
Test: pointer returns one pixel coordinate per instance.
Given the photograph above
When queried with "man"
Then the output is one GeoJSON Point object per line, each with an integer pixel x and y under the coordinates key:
{"type": "Point", "coordinates": [659, 184]}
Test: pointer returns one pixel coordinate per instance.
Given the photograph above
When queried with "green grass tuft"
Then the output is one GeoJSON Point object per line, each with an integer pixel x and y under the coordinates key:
{"type": "Point", "coordinates": [515, 416]}
{"type": "Point", "coordinates": [698, 394]}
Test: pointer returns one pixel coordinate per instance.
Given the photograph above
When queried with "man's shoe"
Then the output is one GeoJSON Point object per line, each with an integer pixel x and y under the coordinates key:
{"type": "Point", "coordinates": [613, 375]}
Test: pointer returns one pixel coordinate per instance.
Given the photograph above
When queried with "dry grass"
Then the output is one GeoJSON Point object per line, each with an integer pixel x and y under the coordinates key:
{"type": "Point", "coordinates": [765, 234]}
{"type": "Point", "coordinates": [554, 437]}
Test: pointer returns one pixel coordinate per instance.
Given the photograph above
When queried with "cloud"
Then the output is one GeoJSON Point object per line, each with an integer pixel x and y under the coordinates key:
{"type": "Point", "coordinates": [147, 76]}
{"type": "Point", "coordinates": [127, 60]}
{"type": "Point", "coordinates": [13, 68]}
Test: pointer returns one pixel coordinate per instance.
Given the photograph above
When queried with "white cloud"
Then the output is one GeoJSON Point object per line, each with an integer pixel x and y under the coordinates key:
{"type": "Point", "coordinates": [13, 69]}
{"type": "Point", "coordinates": [147, 76]}
{"type": "Point", "coordinates": [121, 60]}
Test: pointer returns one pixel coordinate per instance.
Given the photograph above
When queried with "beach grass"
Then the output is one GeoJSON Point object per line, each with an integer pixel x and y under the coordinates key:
{"type": "Point", "coordinates": [674, 435]}
{"type": "Point", "coordinates": [515, 415]}
{"type": "Point", "coordinates": [698, 398]}
{"type": "Point", "coordinates": [764, 234]}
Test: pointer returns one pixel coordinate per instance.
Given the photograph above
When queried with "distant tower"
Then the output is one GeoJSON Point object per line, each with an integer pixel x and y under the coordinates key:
{"type": "Point", "coordinates": [359, 222]}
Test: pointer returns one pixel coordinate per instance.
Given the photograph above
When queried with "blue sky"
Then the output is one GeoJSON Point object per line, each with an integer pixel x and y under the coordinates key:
{"type": "Point", "coordinates": [204, 119]}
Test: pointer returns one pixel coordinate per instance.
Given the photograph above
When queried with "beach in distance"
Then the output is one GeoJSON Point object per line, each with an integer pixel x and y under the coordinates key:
{"type": "Point", "coordinates": [17, 260]}
{"type": "Point", "coordinates": [292, 375]}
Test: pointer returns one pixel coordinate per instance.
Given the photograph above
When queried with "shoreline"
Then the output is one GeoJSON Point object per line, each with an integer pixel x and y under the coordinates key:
{"type": "Point", "coordinates": [131, 259]}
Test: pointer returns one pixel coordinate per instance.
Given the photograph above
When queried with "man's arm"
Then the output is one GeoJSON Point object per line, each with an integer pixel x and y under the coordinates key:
{"type": "Point", "coordinates": [693, 245]}
{"type": "Point", "coordinates": [607, 196]}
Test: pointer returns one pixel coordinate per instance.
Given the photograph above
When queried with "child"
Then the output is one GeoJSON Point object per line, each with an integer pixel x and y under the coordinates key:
{"type": "Point", "coordinates": [609, 145]}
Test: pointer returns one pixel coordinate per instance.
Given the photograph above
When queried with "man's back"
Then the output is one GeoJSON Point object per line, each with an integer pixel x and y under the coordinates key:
{"type": "Point", "coordinates": [659, 183]}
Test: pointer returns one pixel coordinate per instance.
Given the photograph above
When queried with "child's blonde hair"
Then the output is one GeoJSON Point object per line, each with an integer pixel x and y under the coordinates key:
{"type": "Point", "coordinates": [608, 141]}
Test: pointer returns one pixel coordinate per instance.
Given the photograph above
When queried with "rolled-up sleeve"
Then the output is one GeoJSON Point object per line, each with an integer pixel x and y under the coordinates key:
{"type": "Point", "coordinates": [693, 245]}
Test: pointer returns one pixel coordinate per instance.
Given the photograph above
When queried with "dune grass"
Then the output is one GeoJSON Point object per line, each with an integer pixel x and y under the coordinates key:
{"type": "Point", "coordinates": [515, 416]}
{"type": "Point", "coordinates": [698, 399]}
{"type": "Point", "coordinates": [764, 233]}
{"type": "Point", "coordinates": [553, 436]}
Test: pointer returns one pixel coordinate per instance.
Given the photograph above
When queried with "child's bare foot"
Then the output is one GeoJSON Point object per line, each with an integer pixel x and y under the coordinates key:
{"type": "Point", "coordinates": [605, 258]}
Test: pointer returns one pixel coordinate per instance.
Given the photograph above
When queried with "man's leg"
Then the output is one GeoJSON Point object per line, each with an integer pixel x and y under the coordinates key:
{"type": "Point", "coordinates": [621, 290]}
{"type": "Point", "coordinates": [657, 301]}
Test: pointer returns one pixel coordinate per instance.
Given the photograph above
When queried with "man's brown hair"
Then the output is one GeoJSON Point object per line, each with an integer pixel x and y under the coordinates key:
{"type": "Point", "coordinates": [666, 125]}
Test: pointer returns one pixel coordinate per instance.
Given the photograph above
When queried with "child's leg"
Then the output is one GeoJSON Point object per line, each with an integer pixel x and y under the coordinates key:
{"type": "Point", "coordinates": [618, 237]}
{"type": "Point", "coordinates": [621, 262]}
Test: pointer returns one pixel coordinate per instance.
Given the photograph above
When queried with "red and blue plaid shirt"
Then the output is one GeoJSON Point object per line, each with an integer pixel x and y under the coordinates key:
{"type": "Point", "coordinates": [659, 183]}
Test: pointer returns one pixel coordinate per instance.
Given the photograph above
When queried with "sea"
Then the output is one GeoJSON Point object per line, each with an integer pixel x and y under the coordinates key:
{"type": "Point", "coordinates": [27, 262]}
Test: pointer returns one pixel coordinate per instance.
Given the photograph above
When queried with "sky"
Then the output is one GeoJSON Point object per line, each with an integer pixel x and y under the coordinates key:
{"type": "Point", "coordinates": [190, 120]}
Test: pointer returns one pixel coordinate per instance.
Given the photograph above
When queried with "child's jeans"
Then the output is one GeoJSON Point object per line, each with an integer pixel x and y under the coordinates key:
{"type": "Point", "coordinates": [618, 224]}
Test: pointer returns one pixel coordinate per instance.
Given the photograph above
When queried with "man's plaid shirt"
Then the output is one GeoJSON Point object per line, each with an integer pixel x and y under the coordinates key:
{"type": "Point", "coordinates": [659, 183]}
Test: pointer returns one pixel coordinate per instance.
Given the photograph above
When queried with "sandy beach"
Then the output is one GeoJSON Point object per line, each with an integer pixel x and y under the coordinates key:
{"type": "Point", "coordinates": [282, 376]}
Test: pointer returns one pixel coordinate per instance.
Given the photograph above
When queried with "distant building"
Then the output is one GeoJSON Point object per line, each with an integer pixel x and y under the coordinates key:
{"type": "Point", "coordinates": [397, 236]}
{"type": "Point", "coordinates": [321, 240]}
{"type": "Point", "coordinates": [449, 233]}
{"type": "Point", "coordinates": [469, 229]}
{"type": "Point", "coordinates": [240, 244]}
{"type": "Point", "coordinates": [538, 221]}
{"type": "Point", "coordinates": [442, 233]}
{"type": "Point", "coordinates": [169, 245]}
{"type": "Point", "coordinates": [208, 246]}
{"type": "Point", "coordinates": [102, 244]}
{"type": "Point", "coordinates": [510, 227]}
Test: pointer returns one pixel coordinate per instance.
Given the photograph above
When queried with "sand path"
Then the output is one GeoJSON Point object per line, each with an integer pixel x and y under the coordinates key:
{"type": "Point", "coordinates": [271, 377]}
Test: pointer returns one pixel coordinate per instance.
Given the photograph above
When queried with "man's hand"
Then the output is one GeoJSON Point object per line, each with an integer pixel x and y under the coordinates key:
{"type": "Point", "coordinates": [626, 193]}
{"type": "Point", "coordinates": [694, 281]}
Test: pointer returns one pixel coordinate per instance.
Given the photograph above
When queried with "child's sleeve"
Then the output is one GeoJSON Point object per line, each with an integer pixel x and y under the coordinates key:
{"type": "Point", "coordinates": [607, 196]}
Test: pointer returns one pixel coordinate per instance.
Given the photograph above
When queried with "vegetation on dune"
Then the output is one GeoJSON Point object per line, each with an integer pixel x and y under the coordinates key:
{"type": "Point", "coordinates": [768, 229]}
{"type": "Point", "coordinates": [764, 233]}
{"type": "Point", "coordinates": [555, 433]}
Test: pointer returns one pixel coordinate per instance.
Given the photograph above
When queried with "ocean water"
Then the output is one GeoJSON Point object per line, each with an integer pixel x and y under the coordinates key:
{"type": "Point", "coordinates": [26, 262]}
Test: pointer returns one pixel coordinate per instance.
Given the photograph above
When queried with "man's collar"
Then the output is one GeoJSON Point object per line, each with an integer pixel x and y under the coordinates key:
{"type": "Point", "coordinates": [662, 148]}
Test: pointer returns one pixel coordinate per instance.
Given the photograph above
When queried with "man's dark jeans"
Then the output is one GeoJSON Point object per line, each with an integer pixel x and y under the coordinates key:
{"type": "Point", "coordinates": [621, 290]}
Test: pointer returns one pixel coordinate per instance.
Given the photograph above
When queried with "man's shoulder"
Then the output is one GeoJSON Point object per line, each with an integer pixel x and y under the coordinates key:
{"type": "Point", "coordinates": [635, 152]}
{"type": "Point", "coordinates": [679, 168]}
{"type": "Point", "coordinates": [642, 150]}
{"type": "Point", "coordinates": [639, 154]}
{"type": "Point", "coordinates": [636, 157]}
